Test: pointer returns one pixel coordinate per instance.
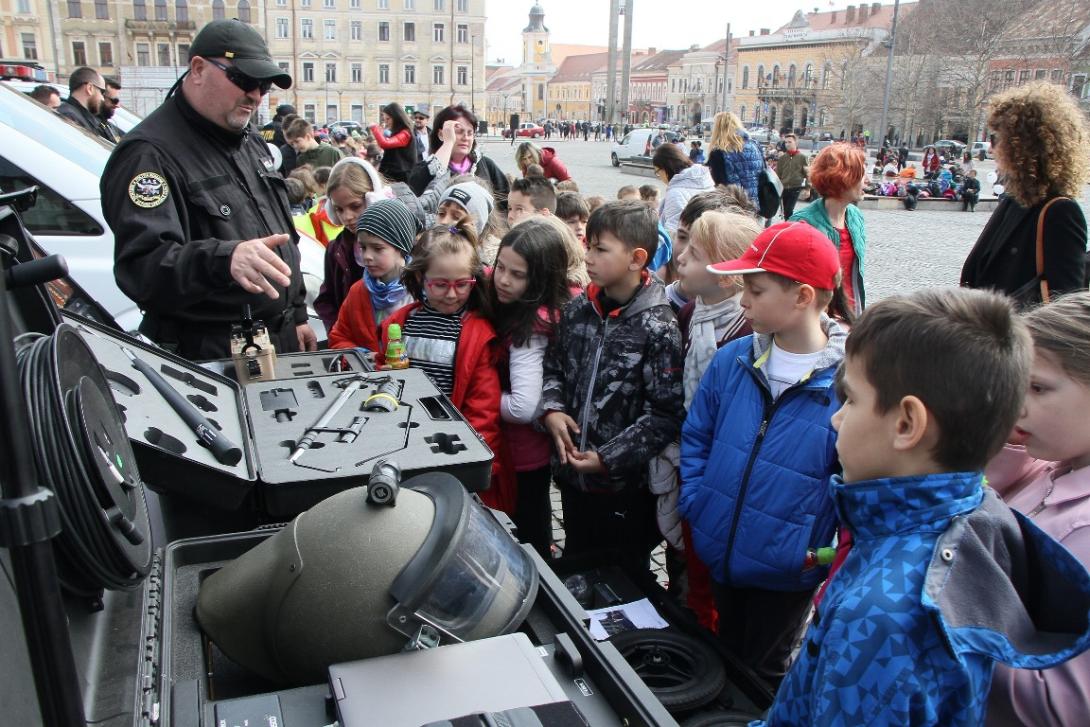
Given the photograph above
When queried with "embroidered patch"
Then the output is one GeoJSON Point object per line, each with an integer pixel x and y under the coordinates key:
{"type": "Point", "coordinates": [148, 189]}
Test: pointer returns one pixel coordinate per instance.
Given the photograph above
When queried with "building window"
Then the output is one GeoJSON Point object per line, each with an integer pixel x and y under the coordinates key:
{"type": "Point", "coordinates": [410, 32]}
{"type": "Point", "coordinates": [357, 73]}
{"type": "Point", "coordinates": [791, 76]}
{"type": "Point", "coordinates": [1057, 76]}
{"type": "Point", "coordinates": [331, 112]}
{"type": "Point", "coordinates": [760, 76]}
{"type": "Point", "coordinates": [745, 77]}
{"type": "Point", "coordinates": [183, 55]}
{"type": "Point", "coordinates": [305, 3]}
{"type": "Point", "coordinates": [439, 6]}
{"type": "Point", "coordinates": [308, 112]}
{"type": "Point", "coordinates": [463, 75]}
{"type": "Point", "coordinates": [330, 4]}
{"type": "Point", "coordinates": [79, 53]}
{"type": "Point", "coordinates": [75, 10]}
{"type": "Point", "coordinates": [1040, 75]}
{"type": "Point", "coordinates": [541, 92]}
{"type": "Point", "coordinates": [281, 3]}
{"type": "Point", "coordinates": [463, 6]}
{"type": "Point", "coordinates": [160, 9]}
{"type": "Point", "coordinates": [308, 72]}
{"type": "Point", "coordinates": [383, 4]}
{"type": "Point", "coordinates": [143, 54]}
{"type": "Point", "coordinates": [384, 32]}
{"type": "Point", "coordinates": [437, 33]}
{"type": "Point", "coordinates": [218, 11]}
{"type": "Point", "coordinates": [383, 73]}
{"type": "Point", "coordinates": [437, 75]}
{"type": "Point", "coordinates": [23, 7]}
{"type": "Point", "coordinates": [282, 28]}
{"type": "Point", "coordinates": [410, 4]}
{"type": "Point", "coordinates": [181, 11]}
{"type": "Point", "coordinates": [330, 72]}
{"type": "Point", "coordinates": [463, 33]}
{"type": "Point", "coordinates": [410, 74]}
{"type": "Point", "coordinates": [1023, 77]}
{"type": "Point", "coordinates": [244, 11]}
{"type": "Point", "coordinates": [140, 10]}
{"type": "Point", "coordinates": [306, 28]}
{"type": "Point", "coordinates": [357, 113]}
{"type": "Point", "coordinates": [330, 27]}
{"type": "Point", "coordinates": [102, 10]}
{"type": "Point", "coordinates": [163, 52]}
{"type": "Point", "coordinates": [354, 4]}
{"type": "Point", "coordinates": [1079, 86]}
{"type": "Point", "coordinates": [106, 54]}
{"type": "Point", "coordinates": [282, 65]}
{"type": "Point", "coordinates": [357, 30]}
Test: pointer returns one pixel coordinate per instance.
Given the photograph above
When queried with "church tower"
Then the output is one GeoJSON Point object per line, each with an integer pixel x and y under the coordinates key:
{"type": "Point", "coordinates": [537, 65]}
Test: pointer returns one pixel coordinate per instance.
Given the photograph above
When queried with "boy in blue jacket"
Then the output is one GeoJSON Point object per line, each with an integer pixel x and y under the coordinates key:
{"type": "Point", "coordinates": [943, 579]}
{"type": "Point", "coordinates": [757, 447]}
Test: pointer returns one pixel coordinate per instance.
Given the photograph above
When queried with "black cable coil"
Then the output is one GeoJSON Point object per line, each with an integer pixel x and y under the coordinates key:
{"type": "Point", "coordinates": [88, 556]}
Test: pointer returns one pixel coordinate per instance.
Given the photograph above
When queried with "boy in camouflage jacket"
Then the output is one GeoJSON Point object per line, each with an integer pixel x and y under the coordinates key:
{"type": "Point", "coordinates": [612, 389]}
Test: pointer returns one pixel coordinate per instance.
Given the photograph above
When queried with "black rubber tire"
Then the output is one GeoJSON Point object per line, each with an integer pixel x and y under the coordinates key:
{"type": "Point", "coordinates": [613, 158]}
{"type": "Point", "coordinates": [682, 672]}
{"type": "Point", "coordinates": [721, 719]}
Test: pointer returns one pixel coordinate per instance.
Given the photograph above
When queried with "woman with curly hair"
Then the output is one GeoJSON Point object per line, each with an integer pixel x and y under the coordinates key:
{"type": "Point", "coordinates": [1040, 150]}
{"type": "Point", "coordinates": [837, 174]}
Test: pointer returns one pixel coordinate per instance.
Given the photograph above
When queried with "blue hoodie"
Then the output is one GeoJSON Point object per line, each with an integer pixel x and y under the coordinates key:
{"type": "Point", "coordinates": [942, 581]}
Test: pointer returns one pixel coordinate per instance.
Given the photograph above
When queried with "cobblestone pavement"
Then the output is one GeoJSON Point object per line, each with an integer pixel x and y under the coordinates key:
{"type": "Point", "coordinates": [905, 250]}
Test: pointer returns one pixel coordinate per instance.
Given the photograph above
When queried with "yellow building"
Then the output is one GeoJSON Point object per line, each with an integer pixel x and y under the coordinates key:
{"type": "Point", "coordinates": [570, 97]}
{"type": "Point", "coordinates": [796, 78]}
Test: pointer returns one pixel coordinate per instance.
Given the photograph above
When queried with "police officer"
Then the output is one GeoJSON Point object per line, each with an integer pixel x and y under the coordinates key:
{"type": "Point", "coordinates": [200, 217]}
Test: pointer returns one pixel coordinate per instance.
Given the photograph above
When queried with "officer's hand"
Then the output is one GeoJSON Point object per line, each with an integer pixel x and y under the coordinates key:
{"type": "Point", "coordinates": [308, 339]}
{"type": "Point", "coordinates": [254, 265]}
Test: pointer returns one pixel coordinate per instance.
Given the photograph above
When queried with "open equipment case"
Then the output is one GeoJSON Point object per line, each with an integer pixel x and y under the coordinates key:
{"type": "Point", "coordinates": [131, 653]}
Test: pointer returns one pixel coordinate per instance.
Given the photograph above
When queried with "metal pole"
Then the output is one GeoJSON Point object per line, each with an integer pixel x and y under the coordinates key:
{"type": "Point", "coordinates": [889, 73]}
{"type": "Point", "coordinates": [726, 71]}
{"type": "Point", "coordinates": [451, 30]}
{"type": "Point", "coordinates": [611, 62]}
{"type": "Point", "coordinates": [626, 61]}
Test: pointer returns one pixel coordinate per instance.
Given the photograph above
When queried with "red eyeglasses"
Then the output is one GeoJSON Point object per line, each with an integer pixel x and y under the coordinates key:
{"type": "Point", "coordinates": [440, 286]}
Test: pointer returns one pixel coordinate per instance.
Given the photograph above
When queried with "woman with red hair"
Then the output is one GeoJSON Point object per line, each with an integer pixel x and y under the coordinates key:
{"type": "Point", "coordinates": [837, 174]}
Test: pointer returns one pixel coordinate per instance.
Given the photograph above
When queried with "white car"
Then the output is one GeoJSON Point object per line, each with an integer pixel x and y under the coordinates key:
{"type": "Point", "coordinates": [65, 163]}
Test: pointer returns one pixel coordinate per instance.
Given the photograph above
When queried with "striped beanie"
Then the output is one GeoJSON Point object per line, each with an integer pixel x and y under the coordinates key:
{"type": "Point", "coordinates": [390, 221]}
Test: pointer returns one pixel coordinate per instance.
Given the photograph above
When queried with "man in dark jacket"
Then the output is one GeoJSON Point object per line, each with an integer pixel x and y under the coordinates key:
{"type": "Point", "coordinates": [792, 166]}
{"type": "Point", "coordinates": [273, 132]}
{"type": "Point", "coordinates": [110, 101]}
{"type": "Point", "coordinates": [970, 192]}
{"type": "Point", "coordinates": [200, 216]}
{"type": "Point", "coordinates": [86, 89]}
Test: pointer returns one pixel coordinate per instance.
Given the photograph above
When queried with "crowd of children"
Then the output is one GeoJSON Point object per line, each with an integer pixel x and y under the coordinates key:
{"type": "Point", "coordinates": [703, 388]}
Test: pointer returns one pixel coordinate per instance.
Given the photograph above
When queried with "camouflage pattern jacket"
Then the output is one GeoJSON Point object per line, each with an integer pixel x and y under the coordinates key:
{"type": "Point", "coordinates": [619, 376]}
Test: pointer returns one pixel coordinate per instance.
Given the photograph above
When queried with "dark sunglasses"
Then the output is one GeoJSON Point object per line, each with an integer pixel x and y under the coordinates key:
{"type": "Point", "coordinates": [240, 79]}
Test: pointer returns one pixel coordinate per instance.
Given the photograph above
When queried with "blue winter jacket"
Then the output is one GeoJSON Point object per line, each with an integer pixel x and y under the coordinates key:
{"type": "Point", "coordinates": [942, 581]}
{"type": "Point", "coordinates": [755, 472]}
{"type": "Point", "coordinates": [738, 167]}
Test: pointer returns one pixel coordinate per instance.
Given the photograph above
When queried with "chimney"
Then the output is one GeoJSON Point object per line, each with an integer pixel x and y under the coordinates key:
{"type": "Point", "coordinates": [875, 8]}
{"type": "Point", "coordinates": [832, 21]}
{"type": "Point", "coordinates": [863, 10]}
{"type": "Point", "coordinates": [850, 15]}
{"type": "Point", "coordinates": [751, 34]}
{"type": "Point", "coordinates": [765, 31]}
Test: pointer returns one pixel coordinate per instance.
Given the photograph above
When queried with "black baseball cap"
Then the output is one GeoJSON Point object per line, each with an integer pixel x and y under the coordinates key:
{"type": "Point", "coordinates": [284, 109]}
{"type": "Point", "coordinates": [243, 46]}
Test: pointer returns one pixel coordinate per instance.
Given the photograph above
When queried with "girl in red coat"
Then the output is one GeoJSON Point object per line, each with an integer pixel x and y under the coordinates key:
{"type": "Point", "coordinates": [529, 287]}
{"type": "Point", "coordinates": [529, 154]}
{"type": "Point", "coordinates": [395, 136]}
{"type": "Point", "coordinates": [447, 336]}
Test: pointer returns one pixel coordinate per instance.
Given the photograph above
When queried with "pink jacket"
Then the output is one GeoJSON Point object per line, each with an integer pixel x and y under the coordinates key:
{"type": "Point", "coordinates": [1057, 499]}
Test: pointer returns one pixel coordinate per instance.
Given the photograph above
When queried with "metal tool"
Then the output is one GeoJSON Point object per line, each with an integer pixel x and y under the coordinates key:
{"type": "Point", "coordinates": [351, 386]}
{"type": "Point", "coordinates": [222, 448]}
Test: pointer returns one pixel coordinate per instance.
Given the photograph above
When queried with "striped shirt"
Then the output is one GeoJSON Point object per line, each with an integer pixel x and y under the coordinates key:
{"type": "Point", "coordinates": [431, 342]}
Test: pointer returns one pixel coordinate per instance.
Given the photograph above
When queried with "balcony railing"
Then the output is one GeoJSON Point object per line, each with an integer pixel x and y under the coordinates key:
{"type": "Point", "coordinates": [159, 26]}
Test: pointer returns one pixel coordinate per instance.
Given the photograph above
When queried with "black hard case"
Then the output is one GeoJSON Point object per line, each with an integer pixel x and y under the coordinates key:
{"type": "Point", "coordinates": [425, 433]}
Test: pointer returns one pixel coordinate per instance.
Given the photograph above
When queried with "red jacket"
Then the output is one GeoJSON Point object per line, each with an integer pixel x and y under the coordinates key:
{"type": "Point", "coordinates": [476, 395]}
{"type": "Point", "coordinates": [355, 326]}
{"type": "Point", "coordinates": [554, 168]}
{"type": "Point", "coordinates": [394, 141]}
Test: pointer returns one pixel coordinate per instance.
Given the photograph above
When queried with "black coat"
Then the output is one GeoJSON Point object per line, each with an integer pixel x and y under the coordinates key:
{"type": "Point", "coordinates": [180, 193]}
{"type": "Point", "coordinates": [484, 168]}
{"type": "Point", "coordinates": [1005, 255]}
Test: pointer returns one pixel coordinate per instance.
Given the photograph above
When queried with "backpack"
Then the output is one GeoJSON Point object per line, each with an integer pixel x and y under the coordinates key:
{"type": "Point", "coordinates": [769, 191]}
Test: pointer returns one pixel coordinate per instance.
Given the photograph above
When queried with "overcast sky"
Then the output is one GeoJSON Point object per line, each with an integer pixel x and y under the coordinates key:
{"type": "Point", "coordinates": [659, 23]}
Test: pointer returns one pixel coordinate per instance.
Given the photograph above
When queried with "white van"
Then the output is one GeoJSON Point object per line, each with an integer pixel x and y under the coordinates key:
{"type": "Point", "coordinates": [982, 150]}
{"type": "Point", "coordinates": [65, 162]}
{"type": "Point", "coordinates": [637, 146]}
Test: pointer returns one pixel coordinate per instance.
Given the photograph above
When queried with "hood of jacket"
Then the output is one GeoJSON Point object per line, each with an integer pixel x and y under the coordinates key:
{"type": "Point", "coordinates": [831, 355]}
{"type": "Point", "coordinates": [650, 294]}
{"type": "Point", "coordinates": [548, 153]}
{"type": "Point", "coordinates": [696, 177]}
{"type": "Point", "coordinates": [996, 584]}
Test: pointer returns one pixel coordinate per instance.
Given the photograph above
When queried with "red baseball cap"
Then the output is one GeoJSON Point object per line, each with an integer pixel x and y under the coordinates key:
{"type": "Point", "coordinates": [794, 250]}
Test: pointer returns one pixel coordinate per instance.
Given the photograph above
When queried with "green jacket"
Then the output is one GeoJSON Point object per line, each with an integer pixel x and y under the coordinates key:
{"type": "Point", "coordinates": [815, 214]}
{"type": "Point", "coordinates": [793, 169]}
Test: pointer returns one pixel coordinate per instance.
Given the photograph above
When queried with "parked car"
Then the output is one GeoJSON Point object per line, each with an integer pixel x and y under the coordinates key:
{"type": "Point", "coordinates": [65, 162]}
{"type": "Point", "coordinates": [526, 128]}
{"type": "Point", "coordinates": [982, 150]}
{"type": "Point", "coordinates": [122, 118]}
{"type": "Point", "coordinates": [761, 135]}
{"type": "Point", "coordinates": [637, 146]}
{"type": "Point", "coordinates": [949, 148]}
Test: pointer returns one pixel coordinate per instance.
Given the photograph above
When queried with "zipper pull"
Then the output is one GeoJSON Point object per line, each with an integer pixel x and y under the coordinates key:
{"type": "Point", "coordinates": [819, 556]}
{"type": "Point", "coordinates": [763, 429]}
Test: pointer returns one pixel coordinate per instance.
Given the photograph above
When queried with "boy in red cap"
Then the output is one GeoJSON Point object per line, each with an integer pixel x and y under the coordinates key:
{"type": "Point", "coordinates": [758, 447]}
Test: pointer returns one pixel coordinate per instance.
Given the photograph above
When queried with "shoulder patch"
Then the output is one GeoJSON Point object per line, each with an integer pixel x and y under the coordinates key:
{"type": "Point", "coordinates": [148, 189]}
